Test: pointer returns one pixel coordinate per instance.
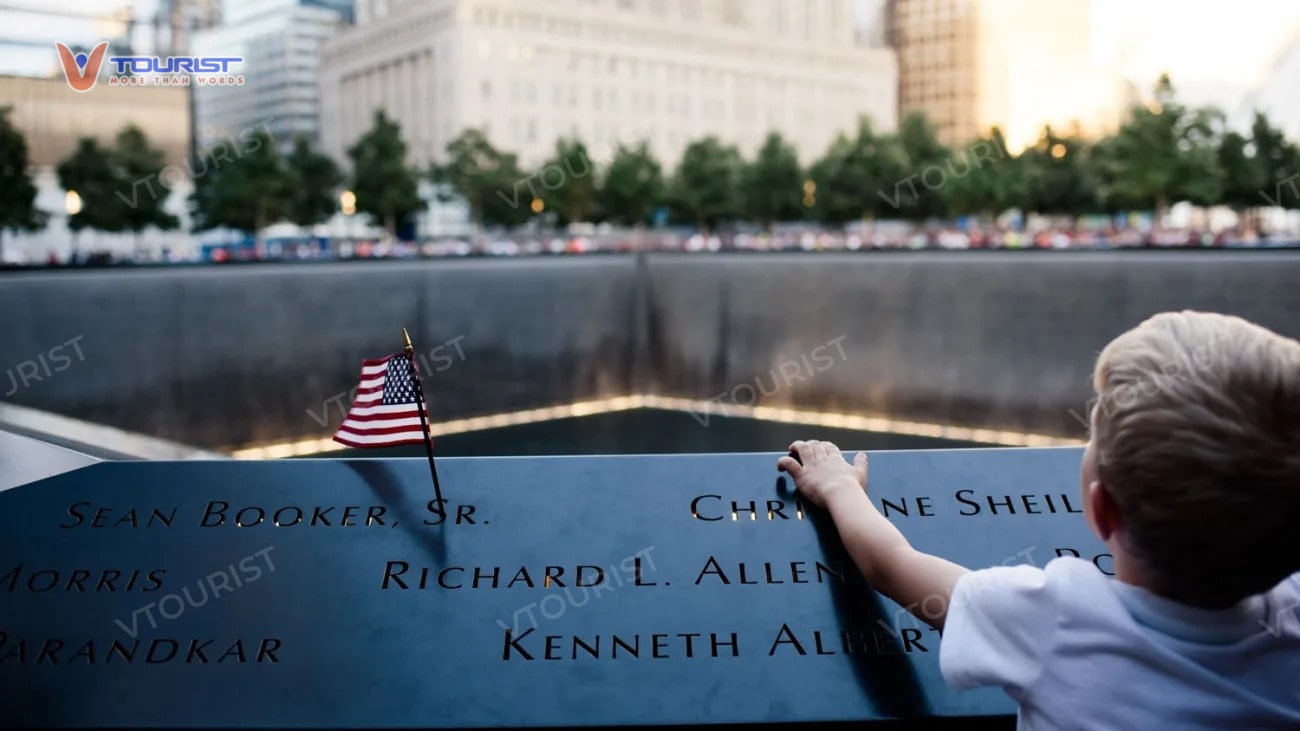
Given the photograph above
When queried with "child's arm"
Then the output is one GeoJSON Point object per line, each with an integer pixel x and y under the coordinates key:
{"type": "Point", "coordinates": [917, 581]}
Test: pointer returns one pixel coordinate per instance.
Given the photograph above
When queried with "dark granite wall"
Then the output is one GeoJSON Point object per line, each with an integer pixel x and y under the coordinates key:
{"type": "Point", "coordinates": [996, 339]}
{"type": "Point", "coordinates": [222, 356]}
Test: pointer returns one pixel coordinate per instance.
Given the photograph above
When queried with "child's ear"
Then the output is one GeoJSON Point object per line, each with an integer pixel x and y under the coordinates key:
{"type": "Point", "coordinates": [1106, 517]}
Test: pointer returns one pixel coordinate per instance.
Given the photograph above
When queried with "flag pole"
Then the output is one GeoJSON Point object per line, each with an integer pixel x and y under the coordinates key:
{"type": "Point", "coordinates": [424, 422]}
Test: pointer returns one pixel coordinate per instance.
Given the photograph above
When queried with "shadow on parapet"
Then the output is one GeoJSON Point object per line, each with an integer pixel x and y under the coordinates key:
{"type": "Point", "coordinates": [886, 677]}
{"type": "Point", "coordinates": [387, 488]}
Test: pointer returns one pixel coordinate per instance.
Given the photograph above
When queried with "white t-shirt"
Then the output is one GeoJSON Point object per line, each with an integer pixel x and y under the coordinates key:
{"type": "Point", "coordinates": [1077, 650]}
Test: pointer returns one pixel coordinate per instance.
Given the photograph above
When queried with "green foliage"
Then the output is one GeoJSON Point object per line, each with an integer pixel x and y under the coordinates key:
{"type": "Point", "coordinates": [18, 211]}
{"type": "Point", "coordinates": [993, 180]}
{"type": "Point", "coordinates": [1162, 154]}
{"type": "Point", "coordinates": [705, 189]}
{"type": "Point", "coordinates": [121, 188]}
{"type": "Point", "coordinates": [772, 185]}
{"type": "Point", "coordinates": [1277, 159]}
{"type": "Point", "coordinates": [136, 162]}
{"type": "Point", "coordinates": [1243, 176]}
{"type": "Point", "coordinates": [1058, 176]}
{"type": "Point", "coordinates": [859, 177]}
{"type": "Point", "coordinates": [633, 187]}
{"type": "Point", "coordinates": [568, 182]}
{"type": "Point", "coordinates": [385, 187]}
{"type": "Point", "coordinates": [247, 193]}
{"type": "Point", "coordinates": [313, 183]}
{"type": "Point", "coordinates": [90, 172]}
{"type": "Point", "coordinates": [931, 164]}
{"type": "Point", "coordinates": [490, 181]}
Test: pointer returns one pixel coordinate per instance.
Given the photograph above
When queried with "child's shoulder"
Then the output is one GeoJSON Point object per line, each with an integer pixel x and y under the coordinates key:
{"type": "Point", "coordinates": [1004, 621]}
{"type": "Point", "coordinates": [1060, 581]}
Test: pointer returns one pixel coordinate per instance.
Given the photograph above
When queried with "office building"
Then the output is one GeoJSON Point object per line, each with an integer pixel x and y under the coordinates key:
{"type": "Point", "coordinates": [971, 65]}
{"type": "Point", "coordinates": [606, 71]}
{"type": "Point", "coordinates": [176, 22]}
{"type": "Point", "coordinates": [52, 117]}
{"type": "Point", "coordinates": [279, 42]}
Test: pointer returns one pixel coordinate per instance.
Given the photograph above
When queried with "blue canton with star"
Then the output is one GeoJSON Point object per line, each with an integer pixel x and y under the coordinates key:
{"type": "Point", "coordinates": [399, 386]}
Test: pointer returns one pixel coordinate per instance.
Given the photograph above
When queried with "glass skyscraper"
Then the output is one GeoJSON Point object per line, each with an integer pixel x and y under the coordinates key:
{"type": "Point", "coordinates": [278, 40]}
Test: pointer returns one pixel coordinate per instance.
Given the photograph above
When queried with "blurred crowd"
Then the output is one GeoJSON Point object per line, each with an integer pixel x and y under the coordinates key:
{"type": "Point", "coordinates": [811, 239]}
{"type": "Point", "coordinates": [865, 238]}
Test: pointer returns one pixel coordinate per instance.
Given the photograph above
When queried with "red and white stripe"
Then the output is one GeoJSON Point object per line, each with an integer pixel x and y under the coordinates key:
{"type": "Point", "coordinates": [369, 422]}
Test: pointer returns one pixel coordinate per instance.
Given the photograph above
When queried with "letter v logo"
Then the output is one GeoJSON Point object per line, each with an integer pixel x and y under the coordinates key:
{"type": "Point", "coordinates": [82, 71]}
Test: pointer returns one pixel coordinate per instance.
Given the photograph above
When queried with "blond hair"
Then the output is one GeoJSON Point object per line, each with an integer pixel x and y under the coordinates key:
{"type": "Point", "coordinates": [1196, 434]}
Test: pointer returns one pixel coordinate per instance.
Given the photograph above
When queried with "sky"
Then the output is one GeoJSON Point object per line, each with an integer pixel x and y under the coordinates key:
{"type": "Point", "coordinates": [1214, 51]}
{"type": "Point", "coordinates": [1201, 44]}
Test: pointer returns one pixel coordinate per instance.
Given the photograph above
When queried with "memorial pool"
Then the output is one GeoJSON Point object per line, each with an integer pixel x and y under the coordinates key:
{"type": "Point", "coordinates": [652, 431]}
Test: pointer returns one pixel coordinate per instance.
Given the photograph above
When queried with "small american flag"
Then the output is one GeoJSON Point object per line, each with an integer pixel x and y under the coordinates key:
{"type": "Point", "coordinates": [386, 410]}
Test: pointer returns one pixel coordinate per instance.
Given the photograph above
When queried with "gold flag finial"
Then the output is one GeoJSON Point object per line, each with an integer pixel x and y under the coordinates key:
{"type": "Point", "coordinates": [406, 339]}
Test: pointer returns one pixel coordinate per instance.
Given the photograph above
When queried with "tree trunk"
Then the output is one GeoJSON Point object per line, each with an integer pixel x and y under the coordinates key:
{"type": "Point", "coordinates": [1162, 208]}
{"type": "Point", "coordinates": [390, 225]}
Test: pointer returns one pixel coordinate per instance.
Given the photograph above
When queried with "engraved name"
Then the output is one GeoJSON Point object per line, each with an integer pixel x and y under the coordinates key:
{"type": "Point", "coordinates": [160, 651]}
{"type": "Point", "coordinates": [530, 645]}
{"type": "Point", "coordinates": [768, 572]}
{"type": "Point", "coordinates": [43, 580]}
{"type": "Point", "coordinates": [401, 575]}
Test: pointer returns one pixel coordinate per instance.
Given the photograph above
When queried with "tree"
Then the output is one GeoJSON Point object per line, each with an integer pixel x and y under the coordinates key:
{"type": "Point", "coordinates": [90, 172]}
{"type": "Point", "coordinates": [929, 163]}
{"type": "Point", "coordinates": [313, 182]}
{"type": "Point", "coordinates": [1162, 154]}
{"type": "Point", "coordinates": [1058, 176]}
{"type": "Point", "coordinates": [1243, 175]}
{"type": "Point", "coordinates": [568, 182]}
{"type": "Point", "coordinates": [385, 187]}
{"type": "Point", "coordinates": [704, 190]}
{"type": "Point", "coordinates": [633, 186]}
{"type": "Point", "coordinates": [247, 194]}
{"type": "Point", "coordinates": [503, 210]}
{"type": "Point", "coordinates": [998, 181]}
{"type": "Point", "coordinates": [134, 161]}
{"type": "Point", "coordinates": [18, 211]}
{"type": "Point", "coordinates": [489, 181]}
{"type": "Point", "coordinates": [858, 177]}
{"type": "Point", "coordinates": [772, 185]}
{"type": "Point", "coordinates": [1277, 160]}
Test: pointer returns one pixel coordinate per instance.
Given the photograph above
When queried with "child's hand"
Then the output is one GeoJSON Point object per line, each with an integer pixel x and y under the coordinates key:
{"type": "Point", "coordinates": [824, 471]}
